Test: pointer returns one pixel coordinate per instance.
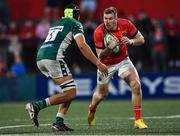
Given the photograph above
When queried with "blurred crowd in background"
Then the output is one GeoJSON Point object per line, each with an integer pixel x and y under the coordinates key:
{"type": "Point", "coordinates": [20, 40]}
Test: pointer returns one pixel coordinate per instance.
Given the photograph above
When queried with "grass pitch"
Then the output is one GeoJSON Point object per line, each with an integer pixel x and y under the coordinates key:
{"type": "Point", "coordinates": [112, 118]}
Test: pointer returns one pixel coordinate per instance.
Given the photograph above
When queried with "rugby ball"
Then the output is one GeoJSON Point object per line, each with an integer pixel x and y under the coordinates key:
{"type": "Point", "coordinates": [107, 37]}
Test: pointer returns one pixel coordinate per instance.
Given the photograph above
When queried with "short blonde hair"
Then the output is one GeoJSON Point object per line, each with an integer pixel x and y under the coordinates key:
{"type": "Point", "coordinates": [111, 10]}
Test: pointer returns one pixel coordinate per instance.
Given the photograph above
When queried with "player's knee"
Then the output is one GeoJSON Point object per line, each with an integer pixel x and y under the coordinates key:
{"type": "Point", "coordinates": [69, 88]}
{"type": "Point", "coordinates": [136, 87]}
{"type": "Point", "coordinates": [102, 96]}
{"type": "Point", "coordinates": [103, 91]}
{"type": "Point", "coordinates": [69, 94]}
{"type": "Point", "coordinates": [99, 96]}
{"type": "Point", "coordinates": [72, 94]}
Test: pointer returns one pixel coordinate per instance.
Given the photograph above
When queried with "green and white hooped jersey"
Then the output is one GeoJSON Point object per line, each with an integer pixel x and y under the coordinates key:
{"type": "Point", "coordinates": [59, 38]}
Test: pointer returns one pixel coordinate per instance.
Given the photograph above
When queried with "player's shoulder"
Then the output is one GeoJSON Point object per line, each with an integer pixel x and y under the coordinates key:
{"type": "Point", "coordinates": [72, 20]}
{"type": "Point", "coordinates": [123, 21]}
{"type": "Point", "coordinates": [75, 23]}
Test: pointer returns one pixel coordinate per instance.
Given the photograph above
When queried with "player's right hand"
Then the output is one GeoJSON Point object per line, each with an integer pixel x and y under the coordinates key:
{"type": "Point", "coordinates": [126, 40]}
{"type": "Point", "coordinates": [103, 68]}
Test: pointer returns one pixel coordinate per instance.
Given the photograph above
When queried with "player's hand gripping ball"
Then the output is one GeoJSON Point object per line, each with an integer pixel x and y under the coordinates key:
{"type": "Point", "coordinates": [112, 42]}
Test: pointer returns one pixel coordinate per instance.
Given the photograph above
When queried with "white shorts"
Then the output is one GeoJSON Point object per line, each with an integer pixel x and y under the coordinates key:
{"type": "Point", "coordinates": [112, 69]}
{"type": "Point", "coordinates": [53, 68]}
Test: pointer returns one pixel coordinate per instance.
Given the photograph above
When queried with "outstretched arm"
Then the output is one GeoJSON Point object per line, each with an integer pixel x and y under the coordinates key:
{"type": "Point", "coordinates": [103, 53]}
{"type": "Point", "coordinates": [87, 52]}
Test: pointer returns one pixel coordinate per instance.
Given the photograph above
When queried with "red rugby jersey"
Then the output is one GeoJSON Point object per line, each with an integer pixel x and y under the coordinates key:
{"type": "Point", "coordinates": [124, 28]}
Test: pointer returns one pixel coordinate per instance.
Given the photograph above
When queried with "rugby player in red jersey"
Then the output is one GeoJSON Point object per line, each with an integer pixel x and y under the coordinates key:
{"type": "Point", "coordinates": [125, 34]}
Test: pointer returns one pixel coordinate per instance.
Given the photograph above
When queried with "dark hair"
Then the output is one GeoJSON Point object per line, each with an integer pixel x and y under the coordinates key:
{"type": "Point", "coordinates": [111, 10]}
{"type": "Point", "coordinates": [72, 11]}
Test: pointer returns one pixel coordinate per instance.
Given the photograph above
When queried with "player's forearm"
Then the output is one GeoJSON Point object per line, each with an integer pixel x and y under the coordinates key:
{"type": "Point", "coordinates": [87, 52]}
{"type": "Point", "coordinates": [137, 40]}
{"type": "Point", "coordinates": [104, 53]}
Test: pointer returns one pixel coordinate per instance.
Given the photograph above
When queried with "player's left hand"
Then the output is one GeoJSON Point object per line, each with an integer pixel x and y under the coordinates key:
{"type": "Point", "coordinates": [113, 42]}
{"type": "Point", "coordinates": [126, 40]}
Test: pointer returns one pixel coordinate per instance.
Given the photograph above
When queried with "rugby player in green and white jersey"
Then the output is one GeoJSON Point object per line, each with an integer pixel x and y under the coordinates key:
{"type": "Point", "coordinates": [50, 61]}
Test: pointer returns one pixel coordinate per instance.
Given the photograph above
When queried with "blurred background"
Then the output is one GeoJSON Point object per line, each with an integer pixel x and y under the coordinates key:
{"type": "Point", "coordinates": [24, 25]}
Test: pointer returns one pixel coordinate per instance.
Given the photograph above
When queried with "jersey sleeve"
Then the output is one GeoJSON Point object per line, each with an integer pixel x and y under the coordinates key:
{"type": "Point", "coordinates": [99, 39]}
{"type": "Point", "coordinates": [77, 29]}
{"type": "Point", "coordinates": [132, 30]}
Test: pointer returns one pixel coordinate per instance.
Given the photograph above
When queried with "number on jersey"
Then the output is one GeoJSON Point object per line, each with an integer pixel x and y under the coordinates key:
{"type": "Point", "coordinates": [53, 33]}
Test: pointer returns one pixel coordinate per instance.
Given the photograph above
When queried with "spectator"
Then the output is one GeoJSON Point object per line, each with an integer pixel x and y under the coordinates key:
{"type": "Point", "coordinates": [144, 24]}
{"type": "Point", "coordinates": [52, 13]}
{"type": "Point", "coordinates": [13, 28]}
{"type": "Point", "coordinates": [42, 29]}
{"type": "Point", "coordinates": [29, 44]}
{"type": "Point", "coordinates": [88, 5]}
{"type": "Point", "coordinates": [18, 68]}
{"type": "Point", "coordinates": [15, 47]}
{"type": "Point", "coordinates": [88, 8]}
{"type": "Point", "coordinates": [172, 33]}
{"type": "Point", "coordinates": [158, 52]}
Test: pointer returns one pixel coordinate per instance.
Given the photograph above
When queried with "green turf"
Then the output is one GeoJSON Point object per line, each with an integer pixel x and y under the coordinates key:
{"type": "Point", "coordinates": [113, 118]}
